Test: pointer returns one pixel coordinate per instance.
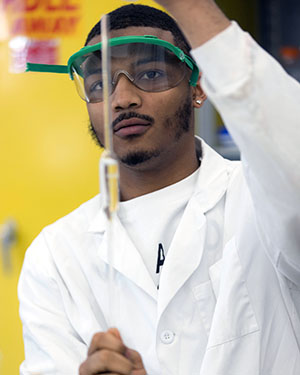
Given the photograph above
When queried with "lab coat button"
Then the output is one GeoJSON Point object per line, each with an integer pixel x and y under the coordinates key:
{"type": "Point", "coordinates": [167, 337]}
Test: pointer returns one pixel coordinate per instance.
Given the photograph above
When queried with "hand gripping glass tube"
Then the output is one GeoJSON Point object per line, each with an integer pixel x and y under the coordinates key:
{"type": "Point", "coordinates": [109, 171]}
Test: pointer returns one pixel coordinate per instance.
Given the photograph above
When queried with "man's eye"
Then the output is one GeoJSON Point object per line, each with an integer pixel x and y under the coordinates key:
{"type": "Point", "coordinates": [96, 86]}
{"type": "Point", "coordinates": [152, 74]}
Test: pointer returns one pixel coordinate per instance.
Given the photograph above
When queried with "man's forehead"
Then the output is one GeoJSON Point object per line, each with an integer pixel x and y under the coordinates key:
{"type": "Point", "coordinates": [137, 30]}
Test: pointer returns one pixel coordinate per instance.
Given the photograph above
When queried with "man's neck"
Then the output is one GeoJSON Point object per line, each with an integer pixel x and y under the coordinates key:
{"type": "Point", "coordinates": [135, 182]}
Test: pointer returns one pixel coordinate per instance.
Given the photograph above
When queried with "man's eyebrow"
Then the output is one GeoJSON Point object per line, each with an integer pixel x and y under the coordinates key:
{"type": "Point", "coordinates": [166, 57]}
{"type": "Point", "coordinates": [146, 60]}
{"type": "Point", "coordinates": [89, 72]}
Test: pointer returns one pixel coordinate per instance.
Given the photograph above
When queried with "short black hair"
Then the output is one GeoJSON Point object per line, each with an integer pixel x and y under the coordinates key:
{"type": "Point", "coordinates": [145, 16]}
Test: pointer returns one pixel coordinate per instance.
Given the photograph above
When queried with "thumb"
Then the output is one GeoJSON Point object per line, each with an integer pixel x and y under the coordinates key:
{"type": "Point", "coordinates": [132, 355]}
{"type": "Point", "coordinates": [116, 333]}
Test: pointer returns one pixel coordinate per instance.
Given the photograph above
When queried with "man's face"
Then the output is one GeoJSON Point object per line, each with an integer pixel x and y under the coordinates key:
{"type": "Point", "coordinates": [146, 125]}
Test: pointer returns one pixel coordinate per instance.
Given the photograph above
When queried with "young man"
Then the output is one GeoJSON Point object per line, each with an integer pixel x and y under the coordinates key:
{"type": "Point", "coordinates": [207, 264]}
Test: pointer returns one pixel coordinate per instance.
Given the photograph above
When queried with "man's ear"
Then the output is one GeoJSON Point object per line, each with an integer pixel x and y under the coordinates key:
{"type": "Point", "coordinates": [199, 96]}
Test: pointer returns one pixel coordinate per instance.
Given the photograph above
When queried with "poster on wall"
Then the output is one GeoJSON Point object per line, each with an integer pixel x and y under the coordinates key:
{"type": "Point", "coordinates": [34, 29]}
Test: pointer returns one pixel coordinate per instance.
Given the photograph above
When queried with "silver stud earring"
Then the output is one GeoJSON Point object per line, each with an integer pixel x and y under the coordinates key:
{"type": "Point", "coordinates": [198, 101]}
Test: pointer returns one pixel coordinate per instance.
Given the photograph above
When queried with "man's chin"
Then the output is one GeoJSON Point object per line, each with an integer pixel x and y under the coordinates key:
{"type": "Point", "coordinates": [137, 158]}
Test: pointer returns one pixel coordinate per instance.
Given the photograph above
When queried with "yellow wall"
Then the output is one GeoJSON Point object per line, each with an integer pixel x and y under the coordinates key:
{"type": "Point", "coordinates": [48, 164]}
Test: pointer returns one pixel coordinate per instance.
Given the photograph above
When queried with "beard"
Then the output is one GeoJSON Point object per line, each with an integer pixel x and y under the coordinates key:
{"type": "Point", "coordinates": [94, 135]}
{"type": "Point", "coordinates": [180, 123]}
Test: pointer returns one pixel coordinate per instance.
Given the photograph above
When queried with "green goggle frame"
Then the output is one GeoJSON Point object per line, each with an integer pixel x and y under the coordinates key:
{"type": "Point", "coordinates": [148, 39]}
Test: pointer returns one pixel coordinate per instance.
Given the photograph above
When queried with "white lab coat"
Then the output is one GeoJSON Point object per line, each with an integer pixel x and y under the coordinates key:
{"type": "Point", "coordinates": [229, 297]}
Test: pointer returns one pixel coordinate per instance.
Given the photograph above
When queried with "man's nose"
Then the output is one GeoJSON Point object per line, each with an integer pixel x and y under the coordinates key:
{"type": "Point", "coordinates": [126, 95]}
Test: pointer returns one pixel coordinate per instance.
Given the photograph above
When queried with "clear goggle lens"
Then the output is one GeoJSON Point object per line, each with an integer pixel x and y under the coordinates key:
{"type": "Point", "coordinates": [149, 67]}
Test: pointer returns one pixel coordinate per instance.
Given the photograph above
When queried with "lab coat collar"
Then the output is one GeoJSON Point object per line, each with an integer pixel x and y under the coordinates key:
{"type": "Point", "coordinates": [213, 177]}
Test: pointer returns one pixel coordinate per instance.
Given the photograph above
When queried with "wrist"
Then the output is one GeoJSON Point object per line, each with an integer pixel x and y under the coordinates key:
{"type": "Point", "coordinates": [200, 20]}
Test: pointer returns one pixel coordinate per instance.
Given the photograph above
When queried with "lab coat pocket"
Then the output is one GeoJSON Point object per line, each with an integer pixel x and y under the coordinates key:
{"type": "Point", "coordinates": [233, 316]}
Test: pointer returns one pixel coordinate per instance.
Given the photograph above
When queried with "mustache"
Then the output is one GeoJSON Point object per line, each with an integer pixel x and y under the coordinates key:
{"type": "Point", "coordinates": [128, 115]}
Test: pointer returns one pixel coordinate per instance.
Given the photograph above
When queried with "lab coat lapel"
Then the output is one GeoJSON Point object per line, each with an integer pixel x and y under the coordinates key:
{"type": "Point", "coordinates": [184, 254]}
{"type": "Point", "coordinates": [186, 250]}
{"type": "Point", "coordinates": [126, 260]}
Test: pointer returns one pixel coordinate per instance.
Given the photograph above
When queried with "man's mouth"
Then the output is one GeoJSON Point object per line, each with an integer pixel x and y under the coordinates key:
{"type": "Point", "coordinates": [131, 126]}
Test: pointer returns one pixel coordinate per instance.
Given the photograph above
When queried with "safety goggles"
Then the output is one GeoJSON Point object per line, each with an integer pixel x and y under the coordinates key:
{"type": "Point", "coordinates": [151, 64]}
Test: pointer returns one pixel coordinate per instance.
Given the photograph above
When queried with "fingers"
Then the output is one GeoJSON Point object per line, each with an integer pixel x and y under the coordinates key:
{"type": "Point", "coordinates": [110, 340]}
{"type": "Point", "coordinates": [106, 361]}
